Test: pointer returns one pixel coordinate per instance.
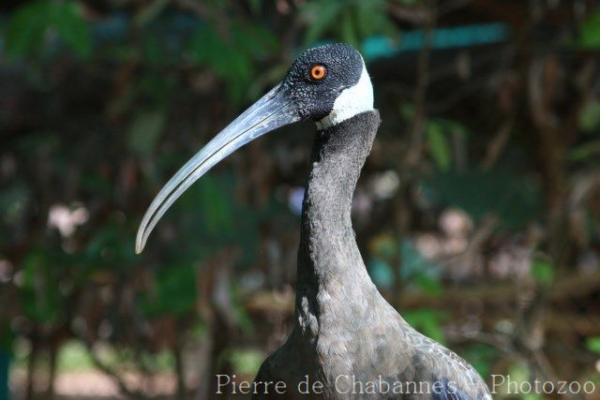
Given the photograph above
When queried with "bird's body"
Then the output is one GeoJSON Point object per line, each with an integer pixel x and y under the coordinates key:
{"type": "Point", "coordinates": [346, 335]}
{"type": "Point", "coordinates": [348, 341]}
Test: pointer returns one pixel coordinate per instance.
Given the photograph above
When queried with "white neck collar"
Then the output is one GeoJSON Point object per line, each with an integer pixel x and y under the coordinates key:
{"type": "Point", "coordinates": [352, 101]}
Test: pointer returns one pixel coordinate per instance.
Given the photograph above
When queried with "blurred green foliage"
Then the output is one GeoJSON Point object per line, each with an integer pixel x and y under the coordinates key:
{"type": "Point", "coordinates": [31, 23]}
{"type": "Point", "coordinates": [427, 321]}
{"type": "Point", "coordinates": [234, 57]}
{"type": "Point", "coordinates": [513, 198]}
{"type": "Point", "coordinates": [593, 344]}
{"type": "Point", "coordinates": [590, 32]}
{"type": "Point", "coordinates": [348, 20]}
{"type": "Point", "coordinates": [543, 272]}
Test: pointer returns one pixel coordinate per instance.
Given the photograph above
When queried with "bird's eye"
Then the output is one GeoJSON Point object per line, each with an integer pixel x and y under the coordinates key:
{"type": "Point", "coordinates": [318, 72]}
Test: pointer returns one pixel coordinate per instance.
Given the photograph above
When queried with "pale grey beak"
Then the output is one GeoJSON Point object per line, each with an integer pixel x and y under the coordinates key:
{"type": "Point", "coordinates": [272, 111]}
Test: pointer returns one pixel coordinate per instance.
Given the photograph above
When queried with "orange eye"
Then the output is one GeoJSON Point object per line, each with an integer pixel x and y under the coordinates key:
{"type": "Point", "coordinates": [318, 72]}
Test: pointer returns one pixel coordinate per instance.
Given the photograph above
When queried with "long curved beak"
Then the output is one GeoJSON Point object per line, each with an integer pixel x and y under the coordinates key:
{"type": "Point", "coordinates": [272, 111]}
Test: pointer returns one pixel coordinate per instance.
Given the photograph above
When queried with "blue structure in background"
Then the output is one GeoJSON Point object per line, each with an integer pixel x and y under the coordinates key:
{"type": "Point", "coordinates": [4, 370]}
{"type": "Point", "coordinates": [441, 38]}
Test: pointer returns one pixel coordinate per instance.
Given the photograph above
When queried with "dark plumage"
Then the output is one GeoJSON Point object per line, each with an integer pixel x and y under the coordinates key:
{"type": "Point", "coordinates": [344, 327]}
{"type": "Point", "coordinates": [346, 336]}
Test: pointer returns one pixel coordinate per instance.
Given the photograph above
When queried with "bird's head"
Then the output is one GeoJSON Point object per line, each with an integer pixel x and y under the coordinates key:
{"type": "Point", "coordinates": [328, 84]}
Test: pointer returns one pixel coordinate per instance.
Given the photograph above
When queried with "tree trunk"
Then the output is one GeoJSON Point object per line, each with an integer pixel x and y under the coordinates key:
{"type": "Point", "coordinates": [52, 364]}
{"type": "Point", "coordinates": [179, 370]}
{"type": "Point", "coordinates": [29, 388]}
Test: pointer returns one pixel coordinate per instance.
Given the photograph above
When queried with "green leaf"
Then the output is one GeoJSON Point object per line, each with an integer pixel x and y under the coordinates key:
{"type": "Point", "coordinates": [346, 20]}
{"type": "Point", "coordinates": [407, 111]}
{"type": "Point", "coordinates": [481, 357]}
{"type": "Point", "coordinates": [590, 32]}
{"type": "Point", "coordinates": [543, 272]}
{"type": "Point", "coordinates": [589, 117]}
{"type": "Point", "coordinates": [428, 284]}
{"type": "Point", "coordinates": [593, 344]}
{"type": "Point", "coordinates": [585, 151]}
{"type": "Point", "coordinates": [154, 51]}
{"type": "Point", "coordinates": [40, 295]}
{"type": "Point", "coordinates": [216, 208]}
{"type": "Point", "coordinates": [145, 131]}
{"type": "Point", "coordinates": [232, 57]}
{"type": "Point", "coordinates": [175, 292]}
{"type": "Point", "coordinates": [348, 30]}
{"type": "Point", "coordinates": [428, 322]}
{"type": "Point", "coordinates": [384, 246]}
{"type": "Point", "coordinates": [14, 200]}
{"type": "Point", "coordinates": [110, 248]}
{"type": "Point", "coordinates": [246, 362]}
{"type": "Point", "coordinates": [74, 356]}
{"type": "Point", "coordinates": [255, 6]}
{"type": "Point", "coordinates": [27, 28]}
{"type": "Point", "coordinates": [438, 146]}
{"type": "Point", "coordinates": [372, 18]}
{"type": "Point", "coordinates": [30, 23]}
{"type": "Point", "coordinates": [150, 12]}
{"type": "Point", "coordinates": [225, 58]}
{"type": "Point", "coordinates": [71, 27]}
{"type": "Point", "coordinates": [6, 336]}
{"type": "Point", "coordinates": [320, 16]}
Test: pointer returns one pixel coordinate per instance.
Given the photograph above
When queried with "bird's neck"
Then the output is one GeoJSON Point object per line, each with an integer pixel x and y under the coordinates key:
{"type": "Point", "coordinates": [330, 267]}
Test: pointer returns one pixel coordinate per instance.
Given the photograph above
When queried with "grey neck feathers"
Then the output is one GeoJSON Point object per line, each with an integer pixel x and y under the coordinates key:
{"type": "Point", "coordinates": [329, 262]}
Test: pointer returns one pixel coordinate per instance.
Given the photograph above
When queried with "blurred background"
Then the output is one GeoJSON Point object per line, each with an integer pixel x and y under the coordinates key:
{"type": "Point", "coordinates": [477, 214]}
